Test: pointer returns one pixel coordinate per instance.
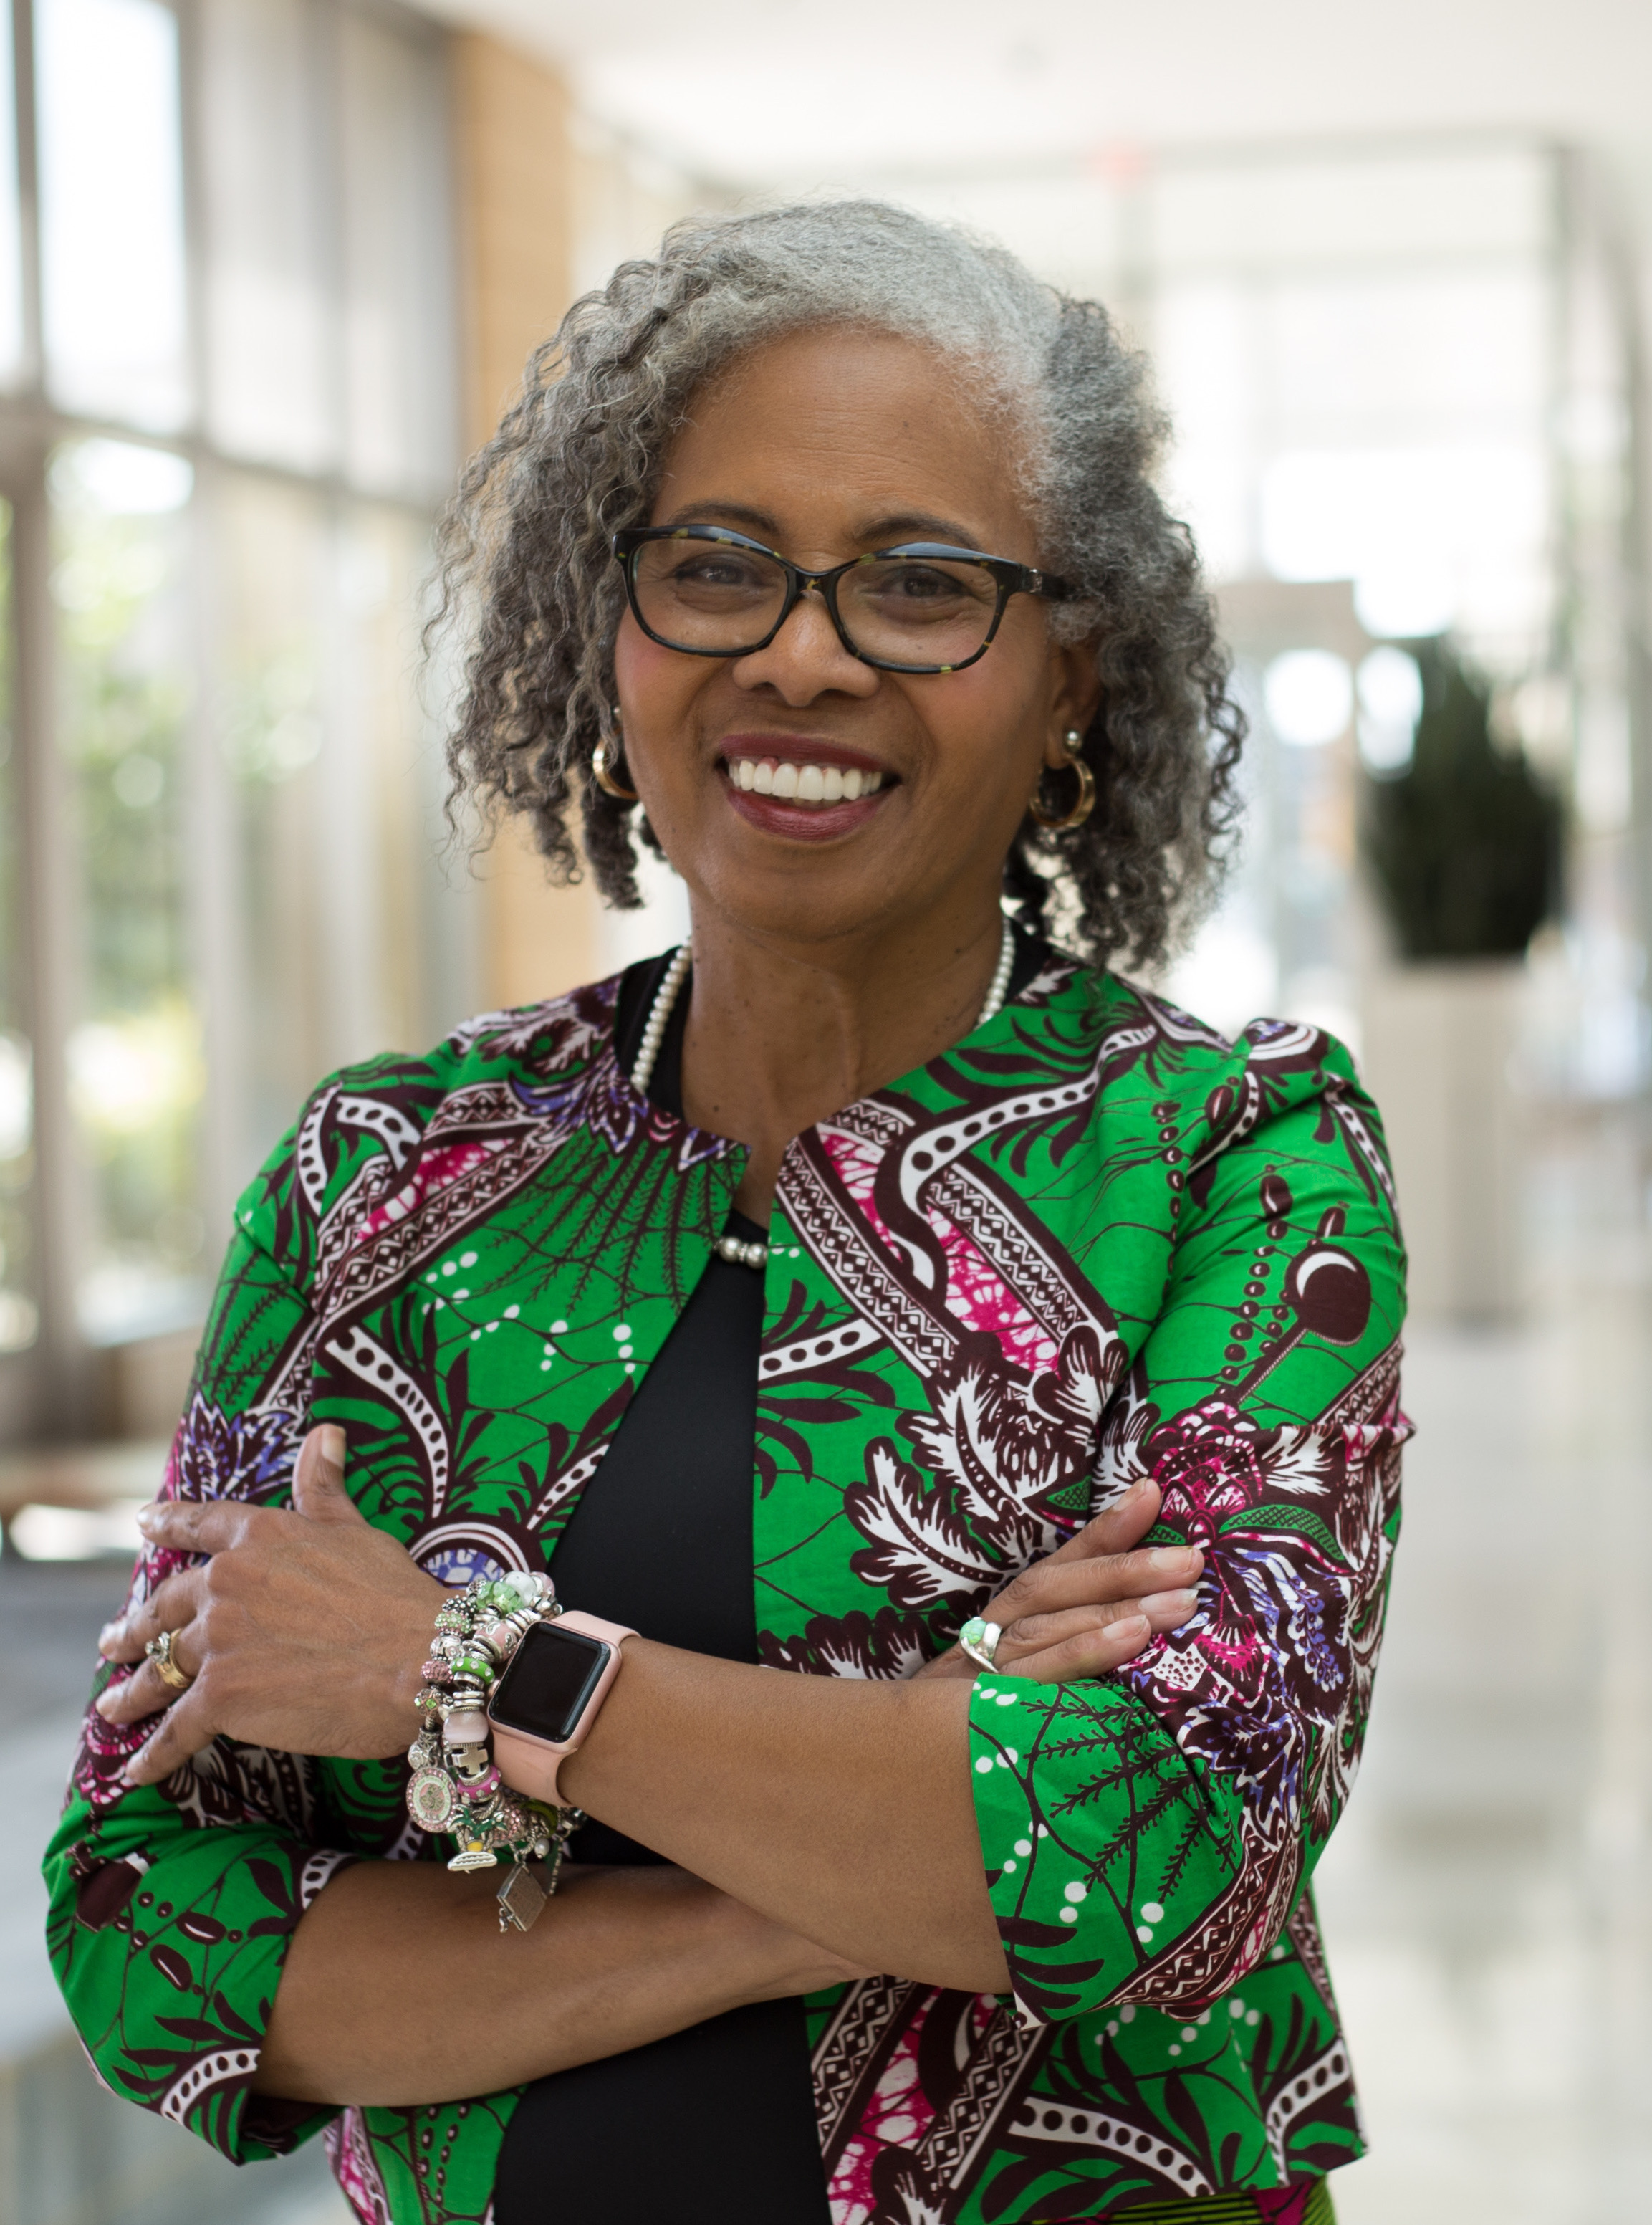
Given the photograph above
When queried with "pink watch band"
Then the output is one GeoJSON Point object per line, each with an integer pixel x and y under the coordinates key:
{"type": "Point", "coordinates": [529, 1764]}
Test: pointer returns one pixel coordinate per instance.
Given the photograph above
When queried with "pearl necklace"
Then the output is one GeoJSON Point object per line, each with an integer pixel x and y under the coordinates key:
{"type": "Point", "coordinates": [737, 1254]}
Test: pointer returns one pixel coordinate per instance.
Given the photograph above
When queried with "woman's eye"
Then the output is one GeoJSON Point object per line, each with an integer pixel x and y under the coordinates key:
{"type": "Point", "coordinates": [916, 583]}
{"type": "Point", "coordinates": [714, 572]}
{"type": "Point", "coordinates": [702, 577]}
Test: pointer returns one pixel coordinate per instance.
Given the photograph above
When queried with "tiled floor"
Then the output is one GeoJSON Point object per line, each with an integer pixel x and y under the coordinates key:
{"type": "Point", "coordinates": [1489, 1899]}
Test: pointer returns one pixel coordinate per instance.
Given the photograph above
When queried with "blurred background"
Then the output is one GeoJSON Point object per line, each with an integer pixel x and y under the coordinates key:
{"type": "Point", "coordinates": [269, 269]}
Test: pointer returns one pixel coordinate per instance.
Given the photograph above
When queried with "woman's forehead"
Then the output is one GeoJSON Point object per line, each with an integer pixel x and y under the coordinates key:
{"type": "Point", "coordinates": [881, 434]}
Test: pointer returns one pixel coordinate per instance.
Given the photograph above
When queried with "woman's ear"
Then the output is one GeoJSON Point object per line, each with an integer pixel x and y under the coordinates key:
{"type": "Point", "coordinates": [1078, 692]}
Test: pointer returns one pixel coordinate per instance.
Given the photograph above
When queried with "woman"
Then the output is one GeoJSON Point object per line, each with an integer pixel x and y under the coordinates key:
{"type": "Point", "coordinates": [830, 537]}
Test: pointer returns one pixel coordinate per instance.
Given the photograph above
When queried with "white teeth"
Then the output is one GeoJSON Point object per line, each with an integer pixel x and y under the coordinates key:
{"type": "Point", "coordinates": [805, 784]}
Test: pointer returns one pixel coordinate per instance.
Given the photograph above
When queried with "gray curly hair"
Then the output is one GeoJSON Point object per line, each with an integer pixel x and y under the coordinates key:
{"type": "Point", "coordinates": [528, 580]}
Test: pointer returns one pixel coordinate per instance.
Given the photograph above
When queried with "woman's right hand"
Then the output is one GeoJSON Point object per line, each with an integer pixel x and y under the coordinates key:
{"type": "Point", "coordinates": [1092, 1604]}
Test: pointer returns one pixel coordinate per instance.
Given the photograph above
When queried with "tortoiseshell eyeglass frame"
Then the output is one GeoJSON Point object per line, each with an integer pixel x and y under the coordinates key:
{"type": "Point", "coordinates": [1011, 579]}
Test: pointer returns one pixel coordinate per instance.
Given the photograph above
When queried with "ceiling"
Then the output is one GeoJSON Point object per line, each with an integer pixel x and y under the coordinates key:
{"type": "Point", "coordinates": [761, 94]}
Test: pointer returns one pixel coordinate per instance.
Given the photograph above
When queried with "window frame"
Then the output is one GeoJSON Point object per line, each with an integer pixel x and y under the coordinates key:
{"type": "Point", "coordinates": [61, 1385]}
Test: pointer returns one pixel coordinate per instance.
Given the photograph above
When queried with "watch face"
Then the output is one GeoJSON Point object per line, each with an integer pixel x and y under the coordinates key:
{"type": "Point", "coordinates": [551, 1678]}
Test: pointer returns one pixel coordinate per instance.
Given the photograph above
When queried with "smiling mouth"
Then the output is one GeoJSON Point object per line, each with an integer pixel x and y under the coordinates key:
{"type": "Point", "coordinates": [801, 781]}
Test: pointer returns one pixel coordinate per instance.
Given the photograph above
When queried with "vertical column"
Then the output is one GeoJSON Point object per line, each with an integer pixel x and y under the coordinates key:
{"type": "Point", "coordinates": [515, 260]}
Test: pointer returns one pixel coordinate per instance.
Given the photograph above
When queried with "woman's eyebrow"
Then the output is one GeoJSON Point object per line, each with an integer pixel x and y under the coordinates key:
{"type": "Point", "coordinates": [878, 533]}
{"type": "Point", "coordinates": [739, 514]}
{"type": "Point", "coordinates": [918, 525]}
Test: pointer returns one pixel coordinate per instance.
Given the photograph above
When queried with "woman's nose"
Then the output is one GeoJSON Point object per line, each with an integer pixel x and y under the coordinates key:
{"type": "Point", "coordinates": [805, 658]}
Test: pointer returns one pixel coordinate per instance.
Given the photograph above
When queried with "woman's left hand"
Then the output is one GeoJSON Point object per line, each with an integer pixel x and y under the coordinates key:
{"type": "Point", "coordinates": [1089, 1605]}
{"type": "Point", "coordinates": [304, 1631]}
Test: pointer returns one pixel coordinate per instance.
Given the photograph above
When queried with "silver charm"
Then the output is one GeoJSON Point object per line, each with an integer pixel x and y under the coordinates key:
{"type": "Point", "coordinates": [521, 1897]}
{"type": "Point", "coordinates": [432, 1801]}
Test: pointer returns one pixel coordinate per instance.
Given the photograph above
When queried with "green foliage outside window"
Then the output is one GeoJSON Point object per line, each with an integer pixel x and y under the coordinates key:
{"type": "Point", "coordinates": [135, 1068]}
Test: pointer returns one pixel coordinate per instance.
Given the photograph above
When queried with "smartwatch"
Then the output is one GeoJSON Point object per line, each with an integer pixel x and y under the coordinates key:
{"type": "Point", "coordinates": [542, 1707]}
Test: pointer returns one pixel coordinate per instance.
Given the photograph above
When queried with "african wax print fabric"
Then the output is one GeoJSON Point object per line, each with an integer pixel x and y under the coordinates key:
{"type": "Point", "coordinates": [1093, 1242]}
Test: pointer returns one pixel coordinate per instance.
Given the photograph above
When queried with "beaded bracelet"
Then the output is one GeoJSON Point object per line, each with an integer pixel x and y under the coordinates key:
{"type": "Point", "coordinates": [455, 1786]}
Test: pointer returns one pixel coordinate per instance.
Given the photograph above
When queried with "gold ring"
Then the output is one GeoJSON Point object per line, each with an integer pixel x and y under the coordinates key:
{"type": "Point", "coordinates": [159, 1651]}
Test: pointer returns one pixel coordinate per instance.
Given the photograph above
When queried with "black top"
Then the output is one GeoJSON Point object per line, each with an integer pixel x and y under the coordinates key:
{"type": "Point", "coordinates": [716, 2124]}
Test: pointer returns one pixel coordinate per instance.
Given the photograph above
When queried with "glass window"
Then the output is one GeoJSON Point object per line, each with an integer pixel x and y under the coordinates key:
{"type": "Point", "coordinates": [112, 257]}
{"type": "Point", "coordinates": [242, 889]}
{"type": "Point", "coordinates": [269, 379]}
{"type": "Point", "coordinates": [120, 584]}
{"type": "Point", "coordinates": [401, 406]}
{"type": "Point", "coordinates": [19, 1317]}
{"type": "Point", "coordinates": [267, 714]}
{"type": "Point", "coordinates": [351, 942]}
{"type": "Point", "coordinates": [11, 273]}
{"type": "Point", "coordinates": [426, 900]}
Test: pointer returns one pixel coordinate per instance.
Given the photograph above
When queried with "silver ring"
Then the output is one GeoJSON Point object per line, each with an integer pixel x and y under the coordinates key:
{"type": "Point", "coordinates": [979, 1639]}
{"type": "Point", "coordinates": [159, 1651]}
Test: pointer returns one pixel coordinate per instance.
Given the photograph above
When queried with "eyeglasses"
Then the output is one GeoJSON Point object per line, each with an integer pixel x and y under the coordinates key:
{"type": "Point", "coordinates": [923, 607]}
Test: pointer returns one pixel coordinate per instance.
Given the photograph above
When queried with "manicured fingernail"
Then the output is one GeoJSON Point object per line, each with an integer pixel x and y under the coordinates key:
{"type": "Point", "coordinates": [104, 1702]}
{"type": "Point", "coordinates": [108, 1636]}
{"type": "Point", "coordinates": [332, 1443]}
{"type": "Point", "coordinates": [147, 1516]}
{"type": "Point", "coordinates": [1128, 1627]}
{"type": "Point", "coordinates": [1181, 1604]}
{"type": "Point", "coordinates": [1169, 1558]}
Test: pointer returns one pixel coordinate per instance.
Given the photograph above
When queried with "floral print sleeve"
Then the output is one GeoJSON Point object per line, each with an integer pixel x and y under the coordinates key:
{"type": "Point", "coordinates": [172, 1906]}
{"type": "Point", "coordinates": [1147, 1836]}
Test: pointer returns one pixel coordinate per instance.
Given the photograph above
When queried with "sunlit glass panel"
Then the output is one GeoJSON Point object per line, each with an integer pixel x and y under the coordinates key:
{"type": "Point", "coordinates": [335, 789]}
{"type": "Point", "coordinates": [19, 1313]}
{"type": "Point", "coordinates": [112, 261]}
{"type": "Point", "coordinates": [271, 387]}
{"type": "Point", "coordinates": [120, 585]}
{"type": "Point", "coordinates": [400, 403]}
{"type": "Point", "coordinates": [12, 362]}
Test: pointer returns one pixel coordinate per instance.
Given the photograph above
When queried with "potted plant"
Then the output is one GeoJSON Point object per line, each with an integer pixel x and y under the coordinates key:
{"type": "Point", "coordinates": [1462, 845]}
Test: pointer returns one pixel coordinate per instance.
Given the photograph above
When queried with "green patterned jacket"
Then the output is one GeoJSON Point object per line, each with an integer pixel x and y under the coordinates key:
{"type": "Point", "coordinates": [1091, 1243]}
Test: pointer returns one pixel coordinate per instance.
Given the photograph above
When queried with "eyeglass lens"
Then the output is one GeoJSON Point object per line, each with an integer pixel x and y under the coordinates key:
{"type": "Point", "coordinates": [905, 609]}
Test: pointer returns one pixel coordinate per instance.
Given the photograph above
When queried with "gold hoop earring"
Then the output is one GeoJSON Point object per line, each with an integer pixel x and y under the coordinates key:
{"type": "Point", "coordinates": [604, 758]}
{"type": "Point", "coordinates": [1073, 761]}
